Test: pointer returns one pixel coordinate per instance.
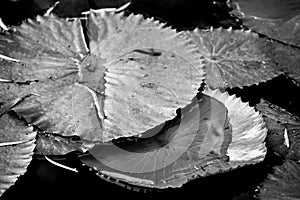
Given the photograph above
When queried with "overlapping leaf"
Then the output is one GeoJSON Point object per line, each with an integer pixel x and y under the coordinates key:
{"type": "Point", "coordinates": [277, 19]}
{"type": "Point", "coordinates": [134, 77]}
{"type": "Point", "coordinates": [283, 130]}
{"type": "Point", "coordinates": [203, 142]}
{"type": "Point", "coordinates": [234, 58]}
{"type": "Point", "coordinates": [16, 150]}
{"type": "Point", "coordinates": [248, 129]}
{"type": "Point", "coordinates": [169, 155]}
{"type": "Point", "coordinates": [150, 71]}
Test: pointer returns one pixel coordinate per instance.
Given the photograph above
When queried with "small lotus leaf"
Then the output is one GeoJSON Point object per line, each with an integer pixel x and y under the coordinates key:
{"type": "Point", "coordinates": [277, 19]}
{"type": "Point", "coordinates": [234, 58]}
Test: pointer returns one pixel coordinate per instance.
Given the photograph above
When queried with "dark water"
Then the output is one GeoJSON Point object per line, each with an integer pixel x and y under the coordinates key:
{"type": "Point", "coordinates": [46, 181]}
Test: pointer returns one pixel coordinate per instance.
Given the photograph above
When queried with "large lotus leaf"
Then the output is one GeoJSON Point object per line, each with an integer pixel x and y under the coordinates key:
{"type": "Point", "coordinates": [141, 71]}
{"type": "Point", "coordinates": [277, 19]}
{"type": "Point", "coordinates": [16, 149]}
{"type": "Point", "coordinates": [234, 58]}
{"type": "Point", "coordinates": [134, 76]}
{"type": "Point", "coordinates": [204, 141]}
{"type": "Point", "coordinates": [287, 59]}
{"type": "Point", "coordinates": [248, 129]}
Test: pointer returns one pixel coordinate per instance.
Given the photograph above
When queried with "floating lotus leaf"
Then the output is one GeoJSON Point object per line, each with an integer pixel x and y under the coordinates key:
{"type": "Point", "coordinates": [287, 59]}
{"type": "Point", "coordinates": [171, 154]}
{"type": "Point", "coordinates": [283, 184]}
{"type": "Point", "coordinates": [284, 139]}
{"type": "Point", "coordinates": [277, 19]}
{"type": "Point", "coordinates": [248, 129]}
{"type": "Point", "coordinates": [133, 76]}
{"type": "Point", "coordinates": [234, 58]}
{"type": "Point", "coordinates": [202, 142]}
{"type": "Point", "coordinates": [16, 150]}
{"type": "Point", "coordinates": [283, 130]}
{"type": "Point", "coordinates": [150, 71]}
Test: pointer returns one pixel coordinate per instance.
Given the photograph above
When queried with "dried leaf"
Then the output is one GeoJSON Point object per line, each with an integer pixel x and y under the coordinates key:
{"type": "Point", "coordinates": [16, 150]}
{"type": "Point", "coordinates": [277, 19]}
{"type": "Point", "coordinates": [234, 58]}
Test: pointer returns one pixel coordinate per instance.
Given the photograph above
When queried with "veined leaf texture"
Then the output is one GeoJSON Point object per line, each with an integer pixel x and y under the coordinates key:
{"type": "Point", "coordinates": [134, 76]}
{"type": "Point", "coordinates": [215, 134]}
{"type": "Point", "coordinates": [137, 80]}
